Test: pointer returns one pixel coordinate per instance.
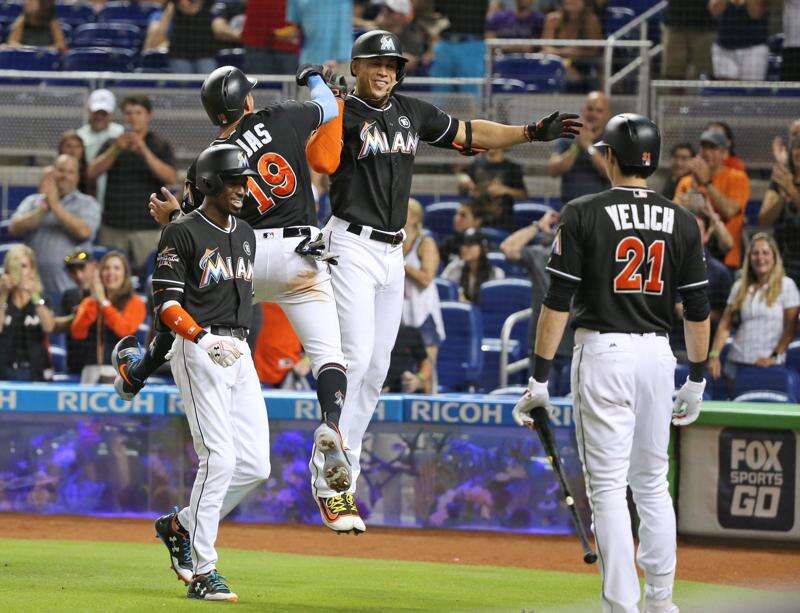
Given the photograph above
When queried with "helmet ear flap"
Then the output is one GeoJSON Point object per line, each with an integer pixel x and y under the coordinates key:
{"type": "Point", "coordinates": [211, 185]}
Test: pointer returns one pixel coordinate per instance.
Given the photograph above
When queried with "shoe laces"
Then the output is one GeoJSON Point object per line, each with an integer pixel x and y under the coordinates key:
{"type": "Point", "coordinates": [337, 504]}
{"type": "Point", "coordinates": [217, 582]}
{"type": "Point", "coordinates": [351, 502]}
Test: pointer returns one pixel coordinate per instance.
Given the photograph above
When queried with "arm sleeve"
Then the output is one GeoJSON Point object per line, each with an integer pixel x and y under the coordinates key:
{"type": "Point", "coordinates": [437, 128]}
{"type": "Point", "coordinates": [567, 252]}
{"type": "Point", "coordinates": [305, 117]}
{"type": "Point", "coordinates": [692, 272]}
{"type": "Point", "coordinates": [696, 306]}
{"type": "Point", "coordinates": [740, 190]}
{"type": "Point", "coordinates": [27, 205]}
{"type": "Point", "coordinates": [128, 321]}
{"type": "Point", "coordinates": [322, 95]}
{"type": "Point", "coordinates": [559, 294]}
{"type": "Point", "coordinates": [324, 148]}
{"type": "Point", "coordinates": [84, 318]}
{"type": "Point", "coordinates": [169, 276]}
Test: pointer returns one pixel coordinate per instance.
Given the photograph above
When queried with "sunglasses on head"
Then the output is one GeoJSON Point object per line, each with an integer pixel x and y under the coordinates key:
{"type": "Point", "coordinates": [81, 257]}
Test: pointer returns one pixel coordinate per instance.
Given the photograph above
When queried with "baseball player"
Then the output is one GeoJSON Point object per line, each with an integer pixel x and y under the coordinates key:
{"type": "Point", "coordinates": [369, 200]}
{"type": "Point", "coordinates": [202, 290]}
{"type": "Point", "coordinates": [623, 254]}
{"type": "Point", "coordinates": [291, 267]}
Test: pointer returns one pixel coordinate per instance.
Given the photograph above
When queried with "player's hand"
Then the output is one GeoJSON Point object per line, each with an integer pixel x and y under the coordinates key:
{"type": "Point", "coordinates": [162, 208]}
{"type": "Point", "coordinates": [221, 349]}
{"type": "Point", "coordinates": [536, 396]}
{"type": "Point", "coordinates": [553, 126]}
{"type": "Point", "coordinates": [687, 402]}
{"type": "Point", "coordinates": [316, 249]}
{"type": "Point", "coordinates": [306, 71]}
{"type": "Point", "coordinates": [337, 83]}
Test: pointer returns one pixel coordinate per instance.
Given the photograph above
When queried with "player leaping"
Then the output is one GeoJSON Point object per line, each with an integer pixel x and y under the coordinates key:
{"type": "Point", "coordinates": [290, 266]}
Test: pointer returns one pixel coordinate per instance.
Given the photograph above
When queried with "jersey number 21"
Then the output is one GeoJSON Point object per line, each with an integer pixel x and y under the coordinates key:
{"type": "Point", "coordinates": [631, 251]}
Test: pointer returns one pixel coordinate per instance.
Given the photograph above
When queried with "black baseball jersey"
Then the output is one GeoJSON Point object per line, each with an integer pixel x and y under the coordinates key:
{"type": "Point", "coordinates": [629, 249]}
{"type": "Point", "coordinates": [274, 140]}
{"type": "Point", "coordinates": [373, 182]}
{"type": "Point", "coordinates": [207, 269]}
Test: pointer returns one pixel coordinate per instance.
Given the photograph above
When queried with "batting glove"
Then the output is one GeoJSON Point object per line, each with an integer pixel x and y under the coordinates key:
{"type": "Point", "coordinates": [536, 396]}
{"type": "Point", "coordinates": [316, 249]}
{"type": "Point", "coordinates": [687, 402]}
{"type": "Point", "coordinates": [337, 84]}
{"type": "Point", "coordinates": [305, 71]}
{"type": "Point", "coordinates": [553, 126]}
{"type": "Point", "coordinates": [221, 349]}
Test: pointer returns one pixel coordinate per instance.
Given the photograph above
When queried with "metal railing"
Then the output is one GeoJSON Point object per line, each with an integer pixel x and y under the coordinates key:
{"type": "Point", "coordinates": [507, 369]}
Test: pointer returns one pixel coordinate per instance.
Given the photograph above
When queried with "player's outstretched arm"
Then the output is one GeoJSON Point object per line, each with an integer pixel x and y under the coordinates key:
{"type": "Point", "coordinates": [311, 75]}
{"type": "Point", "coordinates": [492, 135]}
{"type": "Point", "coordinates": [162, 209]}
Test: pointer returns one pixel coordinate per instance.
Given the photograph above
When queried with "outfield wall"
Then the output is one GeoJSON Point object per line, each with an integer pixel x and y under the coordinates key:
{"type": "Point", "coordinates": [446, 461]}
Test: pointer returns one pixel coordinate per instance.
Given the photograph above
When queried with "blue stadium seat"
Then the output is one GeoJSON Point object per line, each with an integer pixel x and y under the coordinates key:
{"type": "Point", "coordinates": [509, 86]}
{"type": "Point", "coordinates": [637, 6]}
{"type": "Point", "coordinates": [540, 72]}
{"type": "Point", "coordinates": [494, 236]}
{"type": "Point", "coordinates": [10, 10]}
{"type": "Point", "coordinates": [98, 251]}
{"type": "Point", "coordinates": [126, 12]}
{"type": "Point", "coordinates": [498, 300]}
{"type": "Point", "coordinates": [74, 14]}
{"type": "Point", "coordinates": [439, 217]}
{"type": "Point", "coordinates": [525, 213]}
{"type": "Point", "coordinates": [231, 57]}
{"type": "Point", "coordinates": [29, 58]}
{"type": "Point", "coordinates": [154, 60]}
{"type": "Point", "coordinates": [490, 373]}
{"type": "Point", "coordinates": [460, 360]}
{"type": "Point", "coordinates": [793, 356]}
{"type": "Point", "coordinates": [448, 291]}
{"type": "Point", "coordinates": [775, 43]}
{"type": "Point", "coordinates": [751, 209]}
{"type": "Point", "coordinates": [681, 372]}
{"type": "Point", "coordinates": [123, 35]}
{"type": "Point", "coordinates": [58, 352]}
{"type": "Point", "coordinates": [617, 16]}
{"type": "Point", "coordinates": [99, 59]}
{"type": "Point", "coordinates": [512, 269]}
{"type": "Point", "coordinates": [782, 383]}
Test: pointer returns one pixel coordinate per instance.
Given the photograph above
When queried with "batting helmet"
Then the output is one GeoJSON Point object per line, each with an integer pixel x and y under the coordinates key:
{"type": "Point", "coordinates": [216, 163]}
{"type": "Point", "coordinates": [635, 141]}
{"type": "Point", "coordinates": [223, 94]}
{"type": "Point", "coordinates": [379, 43]}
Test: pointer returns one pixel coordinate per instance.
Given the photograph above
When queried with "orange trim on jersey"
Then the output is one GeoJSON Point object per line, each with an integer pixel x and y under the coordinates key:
{"type": "Point", "coordinates": [324, 148]}
{"type": "Point", "coordinates": [179, 321]}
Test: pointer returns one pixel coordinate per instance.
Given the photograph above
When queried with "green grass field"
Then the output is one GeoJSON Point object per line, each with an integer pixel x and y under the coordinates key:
{"type": "Point", "coordinates": [90, 576]}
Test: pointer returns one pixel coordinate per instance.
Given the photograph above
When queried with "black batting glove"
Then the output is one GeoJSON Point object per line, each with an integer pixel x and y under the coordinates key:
{"type": "Point", "coordinates": [337, 83]}
{"type": "Point", "coordinates": [305, 71]}
{"type": "Point", "coordinates": [553, 126]}
{"type": "Point", "coordinates": [316, 249]}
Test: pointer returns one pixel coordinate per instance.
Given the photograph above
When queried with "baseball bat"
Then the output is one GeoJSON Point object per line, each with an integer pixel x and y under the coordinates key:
{"type": "Point", "coordinates": [541, 423]}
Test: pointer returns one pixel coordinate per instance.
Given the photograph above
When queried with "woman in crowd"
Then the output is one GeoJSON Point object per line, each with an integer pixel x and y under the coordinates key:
{"type": "Point", "coordinates": [72, 144]}
{"type": "Point", "coordinates": [741, 52]}
{"type": "Point", "coordinates": [763, 303]}
{"type": "Point", "coordinates": [37, 27]}
{"type": "Point", "coordinates": [575, 19]}
{"type": "Point", "coordinates": [780, 208]}
{"type": "Point", "coordinates": [25, 319]}
{"type": "Point", "coordinates": [472, 267]}
{"type": "Point", "coordinates": [110, 312]}
{"type": "Point", "coordinates": [421, 299]}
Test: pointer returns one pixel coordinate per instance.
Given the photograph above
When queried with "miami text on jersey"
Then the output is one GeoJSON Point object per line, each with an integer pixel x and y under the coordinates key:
{"type": "Point", "coordinates": [374, 140]}
{"type": "Point", "coordinates": [642, 217]}
{"type": "Point", "coordinates": [216, 268]}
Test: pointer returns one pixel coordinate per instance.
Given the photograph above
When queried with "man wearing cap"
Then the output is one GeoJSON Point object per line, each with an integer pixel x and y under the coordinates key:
{"type": "Point", "coordinates": [396, 16]}
{"type": "Point", "coordinates": [99, 129]}
{"type": "Point", "coordinates": [80, 265]}
{"type": "Point", "coordinates": [55, 221]}
{"type": "Point", "coordinates": [727, 189]}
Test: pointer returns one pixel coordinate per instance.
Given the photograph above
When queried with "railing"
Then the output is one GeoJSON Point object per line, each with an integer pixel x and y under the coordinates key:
{"type": "Point", "coordinates": [507, 369]}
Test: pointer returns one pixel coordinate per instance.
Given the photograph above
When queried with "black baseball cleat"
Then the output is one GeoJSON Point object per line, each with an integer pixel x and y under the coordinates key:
{"type": "Point", "coordinates": [211, 586]}
{"type": "Point", "coordinates": [336, 470]}
{"type": "Point", "coordinates": [126, 353]}
{"type": "Point", "coordinates": [177, 541]}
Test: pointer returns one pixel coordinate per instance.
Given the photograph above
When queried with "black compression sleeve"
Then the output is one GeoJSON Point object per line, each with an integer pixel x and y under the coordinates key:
{"type": "Point", "coordinates": [696, 306]}
{"type": "Point", "coordinates": [560, 293]}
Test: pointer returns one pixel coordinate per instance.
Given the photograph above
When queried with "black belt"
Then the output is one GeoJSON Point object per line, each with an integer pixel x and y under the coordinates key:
{"type": "Point", "coordinates": [292, 231]}
{"type": "Point", "coordinates": [240, 333]}
{"type": "Point", "coordinates": [392, 238]}
{"type": "Point", "coordinates": [663, 334]}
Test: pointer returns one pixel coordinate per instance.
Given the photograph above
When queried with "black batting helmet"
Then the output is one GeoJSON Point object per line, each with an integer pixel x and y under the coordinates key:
{"type": "Point", "coordinates": [223, 94]}
{"type": "Point", "coordinates": [379, 43]}
{"type": "Point", "coordinates": [216, 163]}
{"type": "Point", "coordinates": [635, 141]}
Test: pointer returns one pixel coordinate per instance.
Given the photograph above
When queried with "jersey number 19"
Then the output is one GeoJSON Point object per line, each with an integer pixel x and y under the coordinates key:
{"type": "Point", "coordinates": [276, 172]}
{"type": "Point", "coordinates": [631, 251]}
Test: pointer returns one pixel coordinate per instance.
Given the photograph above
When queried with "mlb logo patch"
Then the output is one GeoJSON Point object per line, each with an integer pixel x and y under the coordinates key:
{"type": "Point", "coordinates": [646, 159]}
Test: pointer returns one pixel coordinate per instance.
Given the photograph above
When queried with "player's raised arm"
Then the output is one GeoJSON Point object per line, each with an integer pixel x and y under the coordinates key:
{"type": "Point", "coordinates": [482, 134]}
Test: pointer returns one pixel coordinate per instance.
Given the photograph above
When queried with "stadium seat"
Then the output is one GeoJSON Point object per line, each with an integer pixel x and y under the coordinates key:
{"type": "Point", "coordinates": [490, 373]}
{"type": "Point", "coordinates": [460, 360]}
{"type": "Point", "coordinates": [511, 269]}
{"type": "Point", "coordinates": [74, 14]}
{"type": "Point", "coordinates": [10, 10]}
{"type": "Point", "coordinates": [617, 16]}
{"type": "Point", "coordinates": [154, 60]}
{"type": "Point", "coordinates": [776, 380]}
{"type": "Point", "coordinates": [126, 12]}
{"type": "Point", "coordinates": [509, 86]}
{"type": "Point", "coordinates": [494, 236]}
{"type": "Point", "coordinates": [793, 356]}
{"type": "Point", "coordinates": [775, 43]}
{"type": "Point", "coordinates": [525, 213]}
{"type": "Point", "coordinates": [636, 6]}
{"type": "Point", "coordinates": [231, 57]}
{"type": "Point", "coordinates": [541, 72]}
{"type": "Point", "coordinates": [498, 300]}
{"type": "Point", "coordinates": [123, 35]}
{"type": "Point", "coordinates": [447, 289]}
{"type": "Point", "coordinates": [439, 217]}
{"type": "Point", "coordinates": [99, 59]}
{"type": "Point", "coordinates": [29, 58]}
{"type": "Point", "coordinates": [98, 251]}
{"type": "Point", "coordinates": [58, 352]}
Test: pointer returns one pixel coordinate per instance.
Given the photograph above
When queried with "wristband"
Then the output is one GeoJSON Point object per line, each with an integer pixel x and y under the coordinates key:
{"type": "Point", "coordinates": [200, 335]}
{"type": "Point", "coordinates": [696, 371]}
{"type": "Point", "coordinates": [541, 368]}
{"type": "Point", "coordinates": [713, 354]}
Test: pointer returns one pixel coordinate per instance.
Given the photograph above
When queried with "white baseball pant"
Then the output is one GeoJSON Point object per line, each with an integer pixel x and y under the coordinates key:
{"type": "Point", "coordinates": [622, 387]}
{"type": "Point", "coordinates": [368, 284]}
{"type": "Point", "coordinates": [228, 421]}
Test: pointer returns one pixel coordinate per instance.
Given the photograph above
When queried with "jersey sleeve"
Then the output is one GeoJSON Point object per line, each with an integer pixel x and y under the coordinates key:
{"type": "Point", "coordinates": [304, 118]}
{"type": "Point", "coordinates": [566, 257]}
{"type": "Point", "coordinates": [692, 272]}
{"type": "Point", "coordinates": [436, 128]}
{"type": "Point", "coordinates": [169, 276]}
